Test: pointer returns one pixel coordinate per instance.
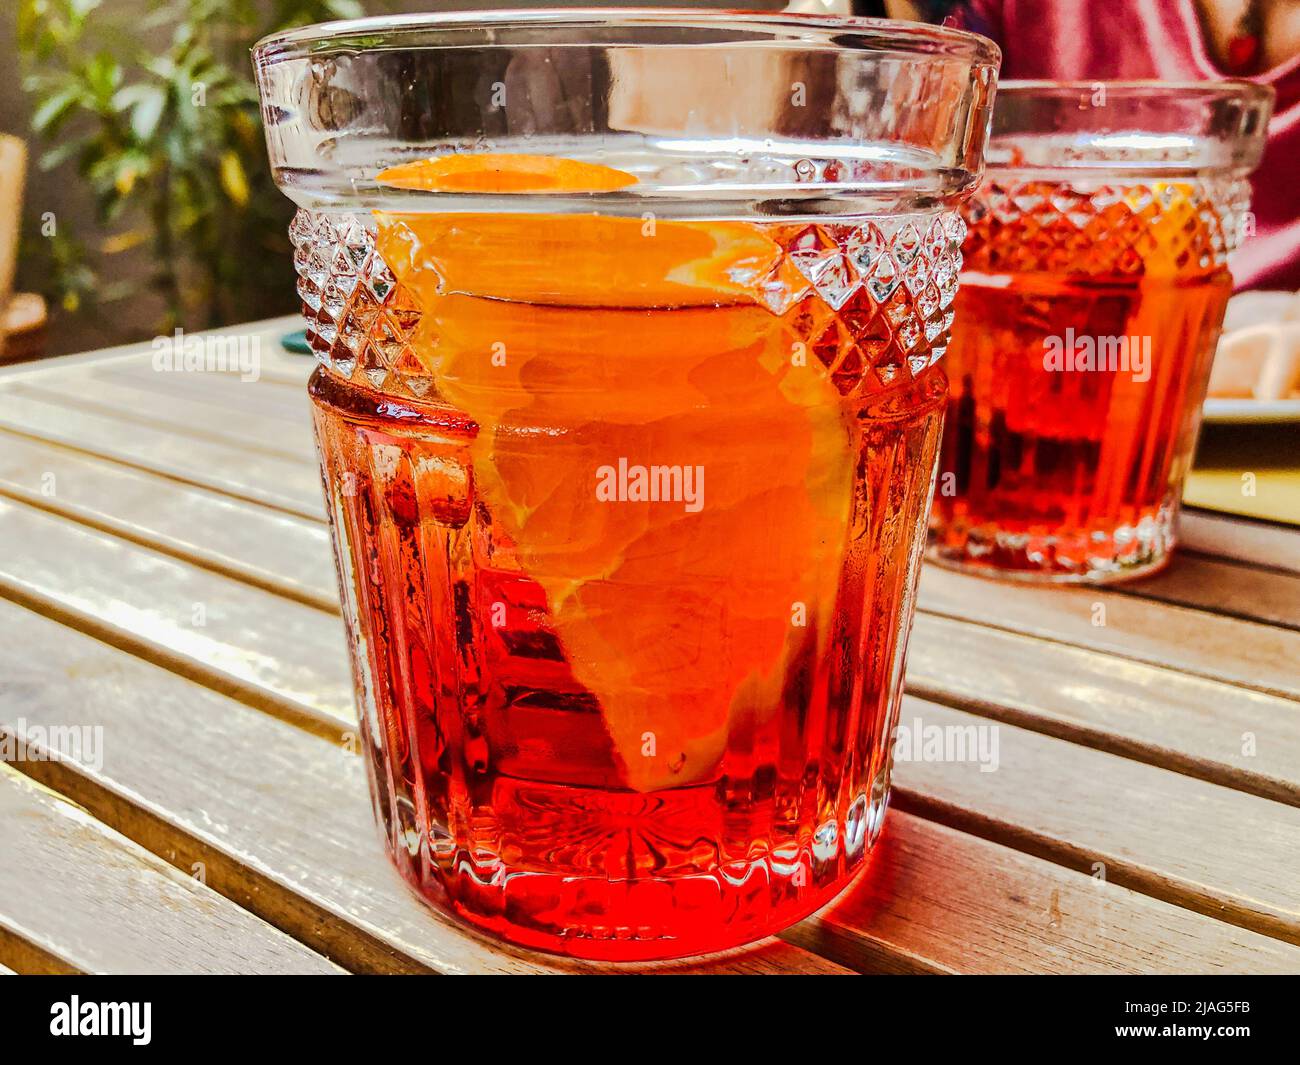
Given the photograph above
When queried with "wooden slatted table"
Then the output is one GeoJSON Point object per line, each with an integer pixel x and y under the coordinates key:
{"type": "Point", "coordinates": [165, 574]}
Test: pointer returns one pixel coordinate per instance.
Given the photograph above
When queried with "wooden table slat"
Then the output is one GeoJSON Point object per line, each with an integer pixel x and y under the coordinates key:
{"type": "Point", "coordinates": [1241, 539]}
{"type": "Point", "coordinates": [228, 390]}
{"type": "Point", "coordinates": [273, 358]}
{"type": "Point", "coordinates": [267, 548]}
{"type": "Point", "coordinates": [292, 486]}
{"type": "Point", "coordinates": [81, 898]}
{"type": "Point", "coordinates": [283, 656]}
{"type": "Point", "coordinates": [1201, 846]}
{"type": "Point", "coordinates": [1228, 588]}
{"type": "Point", "coordinates": [178, 415]}
{"type": "Point", "coordinates": [1206, 728]}
{"type": "Point", "coordinates": [961, 904]}
{"type": "Point", "coordinates": [1261, 657]}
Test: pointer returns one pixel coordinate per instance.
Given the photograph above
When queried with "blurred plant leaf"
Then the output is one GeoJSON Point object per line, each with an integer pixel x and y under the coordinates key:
{"type": "Point", "coordinates": [233, 179]}
{"type": "Point", "coordinates": [344, 8]}
{"type": "Point", "coordinates": [154, 104]}
{"type": "Point", "coordinates": [121, 242]}
{"type": "Point", "coordinates": [57, 156]}
{"type": "Point", "coordinates": [47, 117]}
{"type": "Point", "coordinates": [147, 111]}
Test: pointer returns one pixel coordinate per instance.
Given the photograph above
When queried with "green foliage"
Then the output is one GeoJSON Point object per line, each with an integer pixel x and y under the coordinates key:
{"type": "Point", "coordinates": [155, 107]}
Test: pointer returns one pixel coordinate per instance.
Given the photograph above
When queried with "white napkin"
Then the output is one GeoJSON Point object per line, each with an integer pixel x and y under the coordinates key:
{"type": "Point", "coordinates": [1259, 354]}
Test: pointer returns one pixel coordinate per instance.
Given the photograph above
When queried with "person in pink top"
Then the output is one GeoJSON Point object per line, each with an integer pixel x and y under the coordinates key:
{"type": "Point", "coordinates": [1172, 40]}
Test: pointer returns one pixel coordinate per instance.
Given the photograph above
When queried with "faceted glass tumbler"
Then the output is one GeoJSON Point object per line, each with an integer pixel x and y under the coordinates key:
{"type": "Point", "coordinates": [1094, 285]}
{"type": "Point", "coordinates": [628, 407]}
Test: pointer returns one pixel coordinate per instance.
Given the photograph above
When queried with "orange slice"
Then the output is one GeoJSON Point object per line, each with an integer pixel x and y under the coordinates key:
{"type": "Point", "coordinates": [491, 172]}
{"type": "Point", "coordinates": [599, 345]}
{"type": "Point", "coordinates": [1175, 232]}
{"type": "Point", "coordinates": [579, 260]}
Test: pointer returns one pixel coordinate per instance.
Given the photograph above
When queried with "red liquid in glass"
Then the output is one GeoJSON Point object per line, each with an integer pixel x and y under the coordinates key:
{"type": "Point", "coordinates": [630, 730]}
{"type": "Point", "coordinates": [1067, 469]}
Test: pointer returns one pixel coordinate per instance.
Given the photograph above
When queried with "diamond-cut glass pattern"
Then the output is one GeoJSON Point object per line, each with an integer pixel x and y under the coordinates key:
{"type": "Point", "coordinates": [1184, 227]}
{"type": "Point", "coordinates": [875, 306]}
{"type": "Point", "coordinates": [360, 321]}
{"type": "Point", "coordinates": [871, 298]}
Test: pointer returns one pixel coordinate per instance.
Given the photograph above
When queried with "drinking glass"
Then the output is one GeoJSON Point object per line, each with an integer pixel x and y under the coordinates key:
{"type": "Point", "coordinates": [627, 413]}
{"type": "Point", "coordinates": [1093, 290]}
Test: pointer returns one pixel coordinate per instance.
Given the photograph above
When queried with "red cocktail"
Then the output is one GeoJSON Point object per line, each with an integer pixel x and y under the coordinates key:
{"type": "Point", "coordinates": [628, 450]}
{"type": "Point", "coordinates": [1092, 293]}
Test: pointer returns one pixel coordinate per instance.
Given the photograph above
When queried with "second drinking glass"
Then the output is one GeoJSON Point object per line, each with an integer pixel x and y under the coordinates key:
{"type": "Point", "coordinates": [1092, 294]}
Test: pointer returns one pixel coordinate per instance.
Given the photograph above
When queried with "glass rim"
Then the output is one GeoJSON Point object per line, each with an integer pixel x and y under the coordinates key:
{"type": "Point", "coordinates": [1139, 126]}
{"type": "Point", "coordinates": [1138, 88]}
{"type": "Point", "coordinates": [809, 29]}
